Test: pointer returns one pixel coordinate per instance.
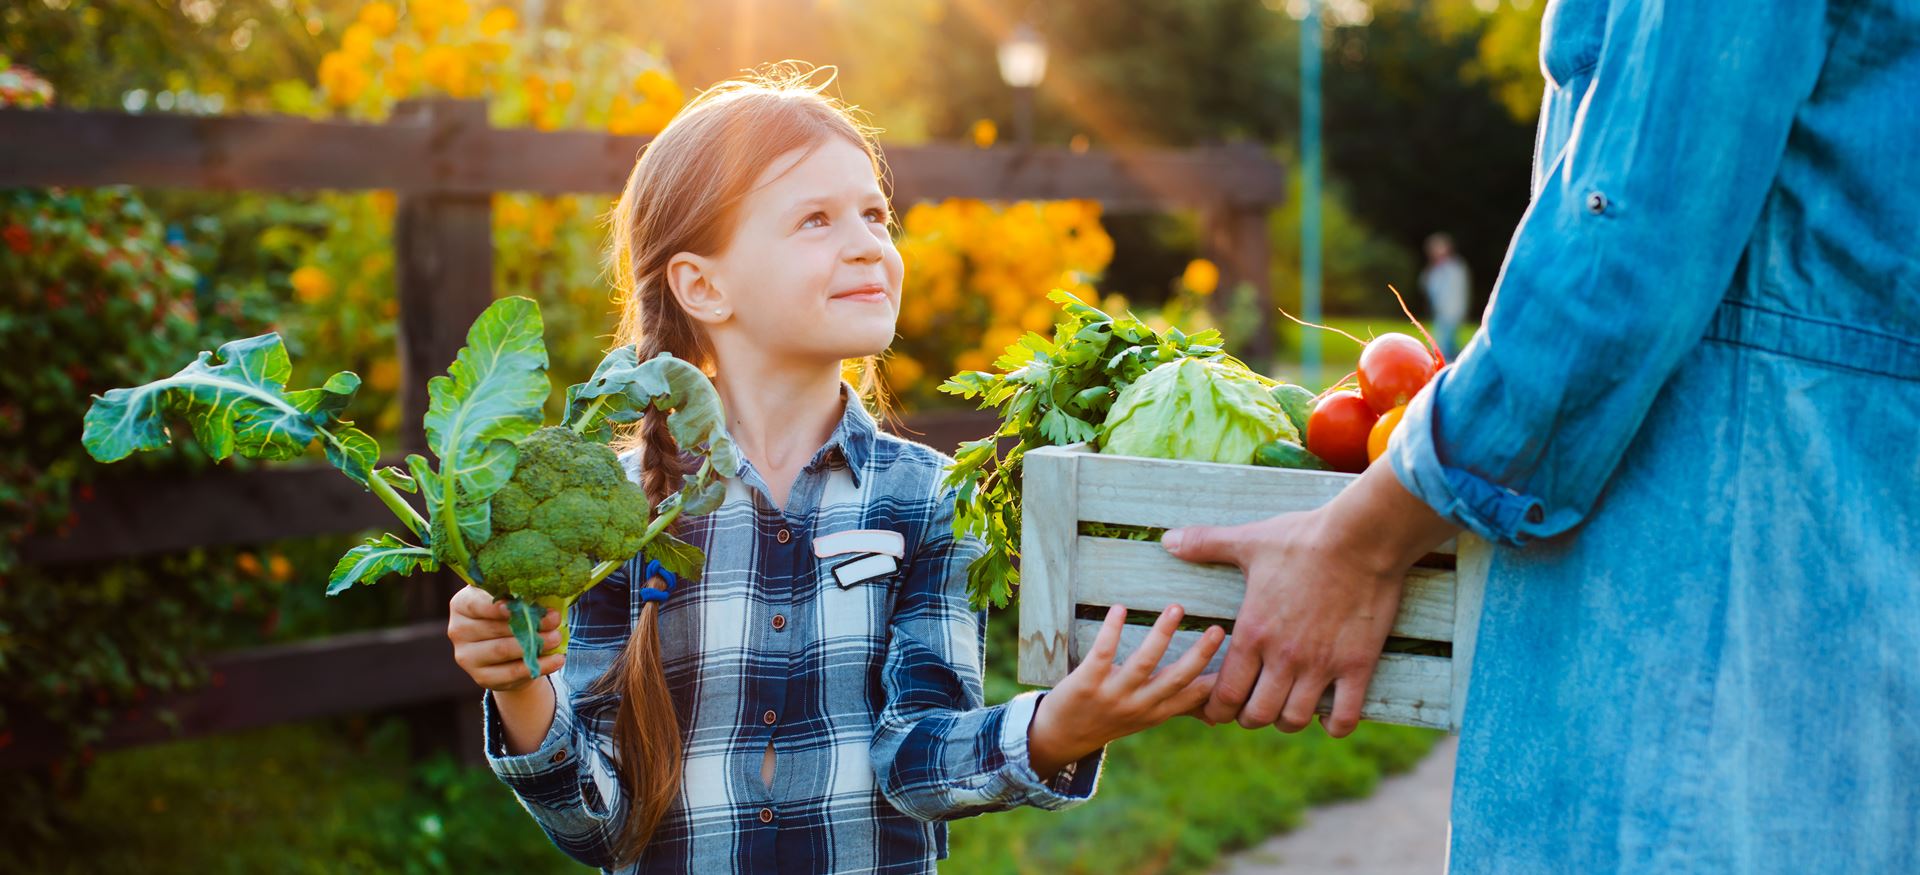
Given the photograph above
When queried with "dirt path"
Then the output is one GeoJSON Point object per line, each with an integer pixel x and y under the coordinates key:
{"type": "Point", "coordinates": [1400, 830]}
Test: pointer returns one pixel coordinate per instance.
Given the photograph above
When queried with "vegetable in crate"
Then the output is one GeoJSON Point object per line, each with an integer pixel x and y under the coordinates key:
{"type": "Point", "coordinates": [535, 516]}
{"type": "Point", "coordinates": [1050, 392]}
{"type": "Point", "coordinates": [1196, 409]}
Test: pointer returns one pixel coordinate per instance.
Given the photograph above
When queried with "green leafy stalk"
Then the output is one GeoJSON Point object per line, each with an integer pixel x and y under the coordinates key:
{"type": "Point", "coordinates": [491, 397]}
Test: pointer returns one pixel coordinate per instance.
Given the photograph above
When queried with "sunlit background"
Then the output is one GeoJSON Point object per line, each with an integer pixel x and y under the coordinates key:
{"type": "Point", "coordinates": [1426, 115]}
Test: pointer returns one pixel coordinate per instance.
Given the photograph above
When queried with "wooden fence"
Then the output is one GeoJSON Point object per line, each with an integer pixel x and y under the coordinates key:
{"type": "Point", "coordinates": [444, 162]}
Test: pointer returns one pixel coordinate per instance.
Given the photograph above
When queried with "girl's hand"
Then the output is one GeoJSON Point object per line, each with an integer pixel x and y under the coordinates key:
{"type": "Point", "coordinates": [1099, 701]}
{"type": "Point", "coordinates": [484, 646]}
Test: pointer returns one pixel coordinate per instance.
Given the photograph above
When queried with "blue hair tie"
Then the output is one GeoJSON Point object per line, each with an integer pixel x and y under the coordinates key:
{"type": "Point", "coordinates": [655, 569]}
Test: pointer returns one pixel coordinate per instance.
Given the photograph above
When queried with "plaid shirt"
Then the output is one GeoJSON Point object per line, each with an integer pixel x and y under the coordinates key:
{"type": "Point", "coordinates": [870, 694]}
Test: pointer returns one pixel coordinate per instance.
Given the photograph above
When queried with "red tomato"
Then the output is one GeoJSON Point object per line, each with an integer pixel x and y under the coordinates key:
{"type": "Point", "coordinates": [1393, 367]}
{"type": "Point", "coordinates": [1337, 431]}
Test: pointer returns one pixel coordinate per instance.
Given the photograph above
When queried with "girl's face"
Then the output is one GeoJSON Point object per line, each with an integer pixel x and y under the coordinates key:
{"type": "Point", "coordinates": [811, 272]}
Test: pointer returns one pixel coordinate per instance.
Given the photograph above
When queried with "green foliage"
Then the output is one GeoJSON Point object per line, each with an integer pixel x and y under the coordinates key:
{"type": "Point", "coordinates": [100, 292]}
{"type": "Point", "coordinates": [341, 796]}
{"type": "Point", "coordinates": [1049, 393]}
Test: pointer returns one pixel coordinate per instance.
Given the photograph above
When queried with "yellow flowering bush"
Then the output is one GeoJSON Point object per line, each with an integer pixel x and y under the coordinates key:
{"type": "Point", "coordinates": [548, 248]}
{"type": "Point", "coordinates": [977, 279]}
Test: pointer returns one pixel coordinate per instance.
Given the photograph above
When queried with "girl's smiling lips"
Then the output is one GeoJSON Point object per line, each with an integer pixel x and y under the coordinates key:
{"type": "Point", "coordinates": [872, 292]}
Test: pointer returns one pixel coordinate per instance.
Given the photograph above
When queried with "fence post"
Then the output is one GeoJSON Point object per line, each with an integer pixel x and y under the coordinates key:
{"type": "Point", "coordinates": [1235, 238]}
{"type": "Point", "coordinates": [443, 257]}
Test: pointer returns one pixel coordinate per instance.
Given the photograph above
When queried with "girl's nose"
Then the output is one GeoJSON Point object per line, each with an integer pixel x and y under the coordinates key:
{"type": "Point", "coordinates": [866, 247]}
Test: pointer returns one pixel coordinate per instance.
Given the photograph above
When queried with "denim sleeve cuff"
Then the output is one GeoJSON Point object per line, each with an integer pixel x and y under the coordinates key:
{"type": "Point", "coordinates": [547, 770]}
{"type": "Point", "coordinates": [1490, 510]}
{"type": "Point", "coordinates": [1073, 785]}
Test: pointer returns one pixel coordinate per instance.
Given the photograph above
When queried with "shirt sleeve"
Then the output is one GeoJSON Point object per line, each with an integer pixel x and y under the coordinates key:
{"type": "Point", "coordinates": [939, 753]}
{"type": "Point", "coordinates": [568, 784]}
{"type": "Point", "coordinates": [1631, 241]}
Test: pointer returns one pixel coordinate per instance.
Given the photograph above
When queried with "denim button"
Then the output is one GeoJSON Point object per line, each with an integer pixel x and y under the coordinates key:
{"type": "Point", "coordinates": [783, 536]}
{"type": "Point", "coordinates": [557, 757]}
{"type": "Point", "coordinates": [1596, 203]}
{"type": "Point", "coordinates": [766, 815]}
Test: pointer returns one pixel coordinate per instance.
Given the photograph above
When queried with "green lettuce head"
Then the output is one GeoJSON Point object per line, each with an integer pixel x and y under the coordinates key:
{"type": "Point", "coordinates": [1195, 409]}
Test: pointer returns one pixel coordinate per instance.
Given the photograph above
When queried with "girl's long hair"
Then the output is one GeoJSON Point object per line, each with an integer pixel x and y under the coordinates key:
{"type": "Point", "coordinates": [683, 196]}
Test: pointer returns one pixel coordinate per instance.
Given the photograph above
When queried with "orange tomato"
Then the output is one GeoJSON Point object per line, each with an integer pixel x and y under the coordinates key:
{"type": "Point", "coordinates": [1382, 430]}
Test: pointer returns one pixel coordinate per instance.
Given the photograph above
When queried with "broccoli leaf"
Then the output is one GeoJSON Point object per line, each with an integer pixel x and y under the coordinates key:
{"type": "Point", "coordinates": [622, 390]}
{"type": "Point", "coordinates": [377, 558]}
{"type": "Point", "coordinates": [235, 401]}
{"type": "Point", "coordinates": [677, 556]}
{"type": "Point", "coordinates": [523, 617]}
{"type": "Point", "coordinates": [492, 396]}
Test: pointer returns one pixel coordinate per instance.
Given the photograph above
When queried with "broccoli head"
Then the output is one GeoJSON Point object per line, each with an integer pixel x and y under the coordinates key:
{"type": "Point", "coordinates": [567, 507]}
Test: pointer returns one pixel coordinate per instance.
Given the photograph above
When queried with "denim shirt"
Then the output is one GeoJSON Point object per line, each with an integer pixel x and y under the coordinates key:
{"type": "Point", "coordinates": [1690, 423]}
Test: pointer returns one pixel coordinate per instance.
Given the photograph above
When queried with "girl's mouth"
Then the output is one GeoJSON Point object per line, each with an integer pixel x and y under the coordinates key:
{"type": "Point", "coordinates": [872, 293]}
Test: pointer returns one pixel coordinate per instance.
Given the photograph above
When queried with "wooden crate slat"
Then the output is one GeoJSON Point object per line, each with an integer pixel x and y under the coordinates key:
{"type": "Point", "coordinates": [1047, 533]}
{"type": "Point", "coordinates": [1131, 491]}
{"type": "Point", "coordinates": [1144, 577]}
{"type": "Point", "coordinates": [1476, 557]}
{"type": "Point", "coordinates": [1407, 689]}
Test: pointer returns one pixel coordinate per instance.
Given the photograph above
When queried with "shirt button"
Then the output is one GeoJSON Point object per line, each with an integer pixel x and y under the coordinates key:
{"type": "Point", "coordinates": [557, 757]}
{"type": "Point", "coordinates": [783, 536]}
{"type": "Point", "coordinates": [768, 718]}
{"type": "Point", "coordinates": [779, 622]}
{"type": "Point", "coordinates": [766, 815]}
{"type": "Point", "coordinates": [1596, 203]}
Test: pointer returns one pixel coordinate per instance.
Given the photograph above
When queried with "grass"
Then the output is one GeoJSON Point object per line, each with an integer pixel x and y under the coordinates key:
{"type": "Point", "coordinates": [342, 796]}
{"type": "Point", "coordinates": [311, 798]}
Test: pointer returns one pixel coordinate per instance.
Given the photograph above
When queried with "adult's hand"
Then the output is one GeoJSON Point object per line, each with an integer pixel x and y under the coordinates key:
{"type": "Point", "coordinates": [1322, 590]}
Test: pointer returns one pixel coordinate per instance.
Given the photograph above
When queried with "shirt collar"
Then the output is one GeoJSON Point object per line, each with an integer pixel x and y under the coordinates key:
{"type": "Point", "coordinates": [852, 439]}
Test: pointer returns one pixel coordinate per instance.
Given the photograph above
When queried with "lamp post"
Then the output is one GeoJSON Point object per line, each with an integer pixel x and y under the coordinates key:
{"type": "Point", "coordinates": [1023, 63]}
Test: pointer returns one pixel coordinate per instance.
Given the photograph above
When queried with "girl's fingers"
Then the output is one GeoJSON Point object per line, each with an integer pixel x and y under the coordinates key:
{"type": "Point", "coordinates": [1141, 664]}
{"type": "Point", "coordinates": [466, 630]}
{"type": "Point", "coordinates": [1187, 699]}
{"type": "Point", "coordinates": [485, 654]}
{"type": "Point", "coordinates": [515, 675]}
{"type": "Point", "coordinates": [1108, 642]}
{"type": "Point", "coordinates": [499, 611]}
{"type": "Point", "coordinates": [1180, 675]}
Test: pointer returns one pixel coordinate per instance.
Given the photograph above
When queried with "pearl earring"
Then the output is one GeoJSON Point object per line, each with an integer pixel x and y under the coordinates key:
{"type": "Point", "coordinates": [719, 311]}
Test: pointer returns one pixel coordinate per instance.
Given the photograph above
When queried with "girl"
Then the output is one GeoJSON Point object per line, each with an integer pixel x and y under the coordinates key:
{"type": "Point", "coordinates": [813, 702]}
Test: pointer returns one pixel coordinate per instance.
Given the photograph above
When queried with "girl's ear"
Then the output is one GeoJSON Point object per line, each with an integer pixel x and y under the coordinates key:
{"type": "Point", "coordinates": [692, 278]}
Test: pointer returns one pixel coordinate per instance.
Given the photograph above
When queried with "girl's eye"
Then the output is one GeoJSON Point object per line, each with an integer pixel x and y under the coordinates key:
{"type": "Point", "coordinates": [877, 215]}
{"type": "Point", "coordinates": [814, 221]}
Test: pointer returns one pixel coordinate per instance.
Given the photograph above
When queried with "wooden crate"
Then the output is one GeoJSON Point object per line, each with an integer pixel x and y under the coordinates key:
{"type": "Point", "coordinates": [1063, 571]}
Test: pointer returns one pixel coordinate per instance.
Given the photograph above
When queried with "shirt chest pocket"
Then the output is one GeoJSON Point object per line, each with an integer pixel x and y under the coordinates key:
{"type": "Point", "coordinates": [1571, 35]}
{"type": "Point", "coordinates": [857, 575]}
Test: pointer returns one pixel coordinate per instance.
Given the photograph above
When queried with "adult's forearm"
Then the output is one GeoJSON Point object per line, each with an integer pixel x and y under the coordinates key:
{"type": "Point", "coordinates": [1378, 519]}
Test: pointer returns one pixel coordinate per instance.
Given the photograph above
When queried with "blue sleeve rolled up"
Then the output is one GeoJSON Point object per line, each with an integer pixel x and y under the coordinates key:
{"type": "Point", "coordinates": [1635, 232]}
